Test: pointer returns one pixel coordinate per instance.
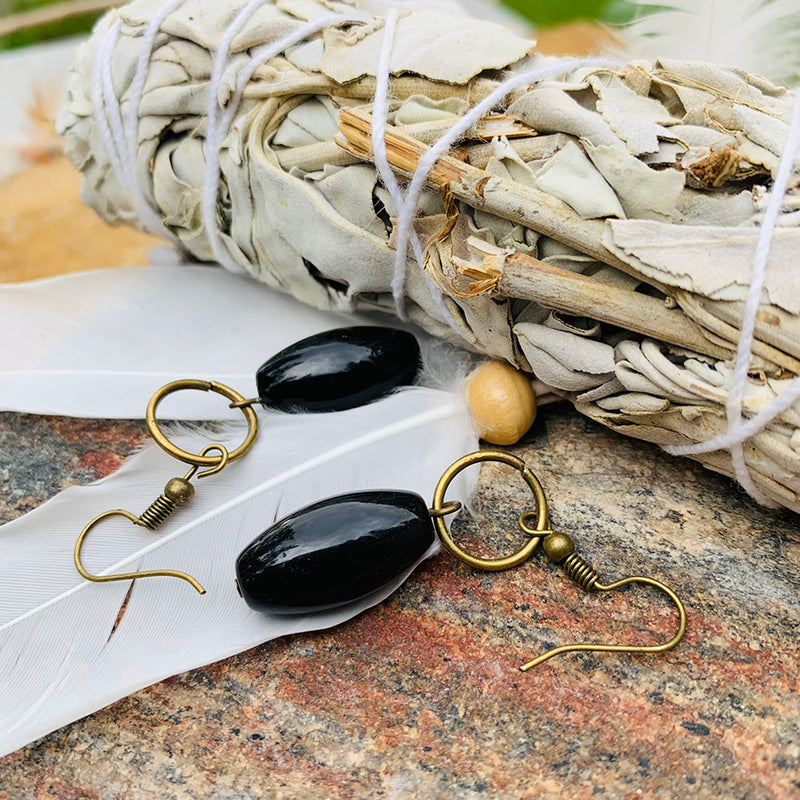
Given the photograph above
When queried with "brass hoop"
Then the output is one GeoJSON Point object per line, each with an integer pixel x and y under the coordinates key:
{"type": "Point", "coordinates": [197, 459]}
{"type": "Point", "coordinates": [439, 506]}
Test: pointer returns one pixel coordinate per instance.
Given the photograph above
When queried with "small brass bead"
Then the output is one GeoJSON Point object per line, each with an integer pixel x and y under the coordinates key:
{"type": "Point", "coordinates": [558, 546]}
{"type": "Point", "coordinates": [179, 490]}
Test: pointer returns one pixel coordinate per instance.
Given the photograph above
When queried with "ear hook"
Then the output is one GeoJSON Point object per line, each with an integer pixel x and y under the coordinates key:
{"type": "Point", "coordinates": [123, 576]}
{"type": "Point", "coordinates": [560, 549]}
{"type": "Point", "coordinates": [558, 546]}
{"type": "Point", "coordinates": [177, 492]}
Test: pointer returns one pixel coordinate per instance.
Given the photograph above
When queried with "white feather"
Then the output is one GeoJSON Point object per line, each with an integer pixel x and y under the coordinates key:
{"type": "Point", "coordinates": [58, 656]}
{"type": "Point", "coordinates": [760, 36]}
{"type": "Point", "coordinates": [98, 344]}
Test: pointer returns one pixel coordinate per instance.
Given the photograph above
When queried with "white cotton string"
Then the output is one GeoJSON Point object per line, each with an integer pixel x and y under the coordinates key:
{"type": "Point", "coordinates": [149, 216]}
{"type": "Point", "coordinates": [119, 139]}
{"type": "Point", "coordinates": [102, 68]}
{"type": "Point", "coordinates": [265, 52]}
{"type": "Point", "coordinates": [407, 209]}
{"type": "Point", "coordinates": [110, 103]}
{"type": "Point", "coordinates": [749, 427]}
{"type": "Point", "coordinates": [380, 112]}
{"type": "Point", "coordinates": [214, 140]}
{"type": "Point", "coordinates": [380, 108]}
{"type": "Point", "coordinates": [217, 128]}
{"type": "Point", "coordinates": [140, 75]}
{"type": "Point", "coordinates": [738, 430]}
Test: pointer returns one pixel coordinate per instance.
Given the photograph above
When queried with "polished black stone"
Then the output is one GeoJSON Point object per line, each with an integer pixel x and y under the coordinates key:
{"type": "Point", "coordinates": [335, 551]}
{"type": "Point", "coordinates": [338, 369]}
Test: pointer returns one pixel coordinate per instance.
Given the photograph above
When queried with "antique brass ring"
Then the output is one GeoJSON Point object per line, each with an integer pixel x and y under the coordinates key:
{"type": "Point", "coordinates": [196, 459]}
{"type": "Point", "coordinates": [542, 521]}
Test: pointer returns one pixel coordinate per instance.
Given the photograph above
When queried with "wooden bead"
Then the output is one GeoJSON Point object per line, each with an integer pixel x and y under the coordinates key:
{"type": "Point", "coordinates": [502, 402]}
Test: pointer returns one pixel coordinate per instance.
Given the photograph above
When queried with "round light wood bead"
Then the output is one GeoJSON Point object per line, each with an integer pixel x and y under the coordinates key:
{"type": "Point", "coordinates": [502, 402]}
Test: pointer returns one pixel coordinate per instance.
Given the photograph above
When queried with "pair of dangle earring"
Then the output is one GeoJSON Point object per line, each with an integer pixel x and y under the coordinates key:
{"type": "Point", "coordinates": [341, 549]}
{"type": "Point", "coordinates": [330, 371]}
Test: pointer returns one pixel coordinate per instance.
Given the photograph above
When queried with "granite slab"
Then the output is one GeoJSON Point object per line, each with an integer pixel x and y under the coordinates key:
{"type": "Point", "coordinates": [422, 696]}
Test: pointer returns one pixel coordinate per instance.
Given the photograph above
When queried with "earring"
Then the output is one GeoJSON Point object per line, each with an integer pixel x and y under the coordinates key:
{"type": "Point", "coordinates": [341, 549]}
{"type": "Point", "coordinates": [338, 550]}
{"type": "Point", "coordinates": [330, 371]}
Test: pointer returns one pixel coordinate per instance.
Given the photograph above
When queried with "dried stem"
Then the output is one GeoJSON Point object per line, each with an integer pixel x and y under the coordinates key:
{"type": "Point", "coordinates": [46, 15]}
{"type": "Point", "coordinates": [312, 157]}
{"type": "Point", "coordinates": [526, 206]}
{"type": "Point", "coordinates": [526, 277]}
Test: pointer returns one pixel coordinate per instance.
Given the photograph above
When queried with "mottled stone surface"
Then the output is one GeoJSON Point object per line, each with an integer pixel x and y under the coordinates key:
{"type": "Point", "coordinates": [422, 697]}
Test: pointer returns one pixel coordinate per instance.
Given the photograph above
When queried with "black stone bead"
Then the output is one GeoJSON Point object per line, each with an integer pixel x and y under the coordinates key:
{"type": "Point", "coordinates": [338, 369]}
{"type": "Point", "coordinates": [334, 552]}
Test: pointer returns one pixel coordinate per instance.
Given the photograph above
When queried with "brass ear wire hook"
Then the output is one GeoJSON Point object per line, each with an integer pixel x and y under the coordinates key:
{"type": "Point", "coordinates": [560, 549]}
{"type": "Point", "coordinates": [558, 546]}
{"type": "Point", "coordinates": [178, 491]}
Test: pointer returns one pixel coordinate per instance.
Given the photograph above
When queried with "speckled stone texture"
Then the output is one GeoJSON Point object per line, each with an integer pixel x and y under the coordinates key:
{"type": "Point", "coordinates": [421, 697]}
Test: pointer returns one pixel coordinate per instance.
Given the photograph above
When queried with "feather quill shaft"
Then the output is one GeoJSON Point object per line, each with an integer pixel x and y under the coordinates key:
{"type": "Point", "coordinates": [65, 648]}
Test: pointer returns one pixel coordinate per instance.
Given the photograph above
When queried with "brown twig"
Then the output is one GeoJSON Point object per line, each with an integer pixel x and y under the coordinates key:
{"type": "Point", "coordinates": [521, 204]}
{"type": "Point", "coordinates": [526, 277]}
{"type": "Point", "coordinates": [25, 20]}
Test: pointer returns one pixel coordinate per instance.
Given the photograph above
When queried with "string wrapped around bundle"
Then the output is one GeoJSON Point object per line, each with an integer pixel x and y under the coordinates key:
{"type": "Point", "coordinates": [625, 233]}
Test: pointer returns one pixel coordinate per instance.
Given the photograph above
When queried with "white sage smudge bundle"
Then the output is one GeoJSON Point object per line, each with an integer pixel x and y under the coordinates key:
{"type": "Point", "coordinates": [594, 224]}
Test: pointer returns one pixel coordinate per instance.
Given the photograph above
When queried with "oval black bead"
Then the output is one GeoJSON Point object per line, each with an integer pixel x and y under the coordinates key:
{"type": "Point", "coordinates": [339, 369]}
{"type": "Point", "coordinates": [334, 552]}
